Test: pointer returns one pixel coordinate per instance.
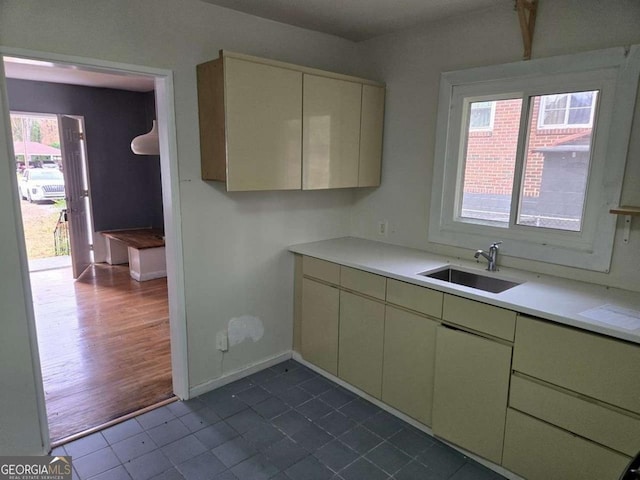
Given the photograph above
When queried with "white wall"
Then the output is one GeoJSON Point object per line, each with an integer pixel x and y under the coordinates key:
{"type": "Point", "coordinates": [236, 262]}
{"type": "Point", "coordinates": [411, 62]}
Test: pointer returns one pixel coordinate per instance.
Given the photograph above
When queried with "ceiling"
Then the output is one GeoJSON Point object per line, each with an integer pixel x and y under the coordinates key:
{"type": "Point", "coordinates": [25, 69]}
{"type": "Point", "coordinates": [356, 20]}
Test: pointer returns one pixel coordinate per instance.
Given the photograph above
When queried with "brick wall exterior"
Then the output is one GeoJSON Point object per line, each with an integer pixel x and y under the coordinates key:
{"type": "Point", "coordinates": [491, 153]}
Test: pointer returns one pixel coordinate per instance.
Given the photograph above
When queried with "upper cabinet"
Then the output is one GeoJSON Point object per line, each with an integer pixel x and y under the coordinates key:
{"type": "Point", "coordinates": [267, 125]}
{"type": "Point", "coordinates": [250, 124]}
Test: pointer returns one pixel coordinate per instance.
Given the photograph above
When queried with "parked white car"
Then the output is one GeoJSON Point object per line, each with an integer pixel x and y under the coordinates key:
{"type": "Point", "coordinates": [39, 184]}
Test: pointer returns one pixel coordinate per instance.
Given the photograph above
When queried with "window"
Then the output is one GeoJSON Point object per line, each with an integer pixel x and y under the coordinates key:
{"type": "Point", "coordinates": [481, 116]}
{"type": "Point", "coordinates": [556, 167]}
{"type": "Point", "coordinates": [567, 110]}
{"type": "Point", "coordinates": [489, 164]}
{"type": "Point", "coordinates": [544, 179]}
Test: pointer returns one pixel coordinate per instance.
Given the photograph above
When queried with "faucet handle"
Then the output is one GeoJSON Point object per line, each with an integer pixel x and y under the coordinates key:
{"type": "Point", "coordinates": [495, 244]}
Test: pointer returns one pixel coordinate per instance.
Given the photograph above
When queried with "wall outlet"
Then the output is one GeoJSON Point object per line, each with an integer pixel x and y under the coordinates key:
{"type": "Point", "coordinates": [383, 227]}
{"type": "Point", "coordinates": [222, 341]}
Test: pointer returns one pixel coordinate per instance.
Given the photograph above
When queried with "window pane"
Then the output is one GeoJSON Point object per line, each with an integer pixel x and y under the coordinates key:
{"type": "Point", "coordinates": [580, 108]}
{"type": "Point", "coordinates": [480, 115]}
{"type": "Point", "coordinates": [567, 109]}
{"type": "Point", "coordinates": [554, 109]}
{"type": "Point", "coordinates": [554, 117]}
{"type": "Point", "coordinates": [556, 171]}
{"type": "Point", "coordinates": [489, 162]}
{"type": "Point", "coordinates": [556, 101]}
{"type": "Point", "coordinates": [582, 99]}
{"type": "Point", "coordinates": [579, 116]}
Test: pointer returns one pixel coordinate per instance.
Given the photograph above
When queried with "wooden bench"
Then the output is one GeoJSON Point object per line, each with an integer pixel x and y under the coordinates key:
{"type": "Point", "coordinates": [143, 249]}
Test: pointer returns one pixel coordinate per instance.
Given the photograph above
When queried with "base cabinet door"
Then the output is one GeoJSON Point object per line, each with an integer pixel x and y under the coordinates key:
{"type": "Point", "coordinates": [361, 342]}
{"type": "Point", "coordinates": [409, 361]}
{"type": "Point", "coordinates": [470, 391]}
{"type": "Point", "coordinates": [319, 328]}
{"type": "Point", "coordinates": [539, 451]}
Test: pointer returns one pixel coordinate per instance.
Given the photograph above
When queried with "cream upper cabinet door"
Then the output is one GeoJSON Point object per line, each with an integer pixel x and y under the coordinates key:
{"type": "Point", "coordinates": [470, 392]}
{"type": "Point", "coordinates": [319, 325]}
{"type": "Point", "coordinates": [331, 133]}
{"type": "Point", "coordinates": [371, 125]}
{"type": "Point", "coordinates": [409, 359]}
{"type": "Point", "coordinates": [263, 126]}
{"type": "Point", "coordinates": [361, 342]}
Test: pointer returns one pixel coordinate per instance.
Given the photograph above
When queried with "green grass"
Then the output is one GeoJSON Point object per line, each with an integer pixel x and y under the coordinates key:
{"type": "Point", "coordinates": [39, 236]}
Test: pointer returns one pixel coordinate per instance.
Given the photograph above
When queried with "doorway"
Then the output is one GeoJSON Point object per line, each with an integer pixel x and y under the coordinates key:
{"type": "Point", "coordinates": [53, 185]}
{"type": "Point", "coordinates": [86, 320]}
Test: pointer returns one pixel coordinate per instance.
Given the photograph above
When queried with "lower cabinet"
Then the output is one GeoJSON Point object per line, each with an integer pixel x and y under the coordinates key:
{"type": "Point", "coordinates": [539, 451]}
{"type": "Point", "coordinates": [361, 342]}
{"type": "Point", "coordinates": [409, 360]}
{"type": "Point", "coordinates": [568, 410]}
{"type": "Point", "coordinates": [471, 391]}
{"type": "Point", "coordinates": [319, 326]}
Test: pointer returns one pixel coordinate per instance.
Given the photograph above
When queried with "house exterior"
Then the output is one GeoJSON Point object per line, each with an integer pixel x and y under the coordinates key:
{"type": "Point", "coordinates": [558, 146]}
{"type": "Point", "coordinates": [35, 152]}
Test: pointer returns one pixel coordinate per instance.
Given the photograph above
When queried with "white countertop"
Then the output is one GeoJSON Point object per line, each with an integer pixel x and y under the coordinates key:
{"type": "Point", "coordinates": [557, 299]}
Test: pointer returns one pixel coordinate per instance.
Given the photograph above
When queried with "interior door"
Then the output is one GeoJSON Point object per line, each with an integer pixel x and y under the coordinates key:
{"type": "Point", "coordinates": [76, 191]}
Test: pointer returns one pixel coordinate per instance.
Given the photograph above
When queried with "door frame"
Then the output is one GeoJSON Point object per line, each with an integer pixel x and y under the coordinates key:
{"type": "Point", "coordinates": [165, 108]}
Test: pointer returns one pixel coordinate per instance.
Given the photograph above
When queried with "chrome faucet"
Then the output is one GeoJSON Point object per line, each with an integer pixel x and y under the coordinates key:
{"type": "Point", "coordinates": [492, 256]}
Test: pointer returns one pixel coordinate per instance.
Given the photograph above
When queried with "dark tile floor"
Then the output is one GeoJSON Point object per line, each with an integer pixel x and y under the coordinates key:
{"type": "Point", "coordinates": [285, 422]}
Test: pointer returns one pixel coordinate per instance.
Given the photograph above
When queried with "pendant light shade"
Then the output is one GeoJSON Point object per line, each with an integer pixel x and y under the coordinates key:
{"type": "Point", "coordinates": [148, 143]}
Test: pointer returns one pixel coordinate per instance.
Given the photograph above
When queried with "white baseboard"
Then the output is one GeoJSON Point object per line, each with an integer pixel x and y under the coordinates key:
{"type": "Point", "coordinates": [238, 374]}
{"type": "Point", "coordinates": [496, 468]}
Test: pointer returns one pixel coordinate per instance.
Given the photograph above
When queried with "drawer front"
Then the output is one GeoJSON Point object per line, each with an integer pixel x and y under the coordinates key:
{"type": "Point", "coordinates": [587, 419]}
{"type": "Point", "coordinates": [416, 298]}
{"type": "Point", "coordinates": [587, 363]}
{"type": "Point", "coordinates": [363, 282]}
{"type": "Point", "coordinates": [481, 317]}
{"type": "Point", "coordinates": [321, 269]}
{"type": "Point", "coordinates": [539, 451]}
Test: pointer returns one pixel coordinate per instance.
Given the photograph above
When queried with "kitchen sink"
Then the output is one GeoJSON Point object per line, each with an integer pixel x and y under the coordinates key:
{"type": "Point", "coordinates": [473, 280]}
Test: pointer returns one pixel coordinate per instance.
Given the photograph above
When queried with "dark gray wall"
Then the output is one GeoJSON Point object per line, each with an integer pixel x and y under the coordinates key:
{"type": "Point", "coordinates": [126, 190]}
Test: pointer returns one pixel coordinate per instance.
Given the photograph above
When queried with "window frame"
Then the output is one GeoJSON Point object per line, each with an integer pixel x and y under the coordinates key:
{"type": "Point", "coordinates": [614, 72]}
{"type": "Point", "coordinates": [563, 126]}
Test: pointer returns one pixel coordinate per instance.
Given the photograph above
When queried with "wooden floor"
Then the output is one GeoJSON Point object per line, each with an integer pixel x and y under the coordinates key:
{"type": "Point", "coordinates": [104, 345]}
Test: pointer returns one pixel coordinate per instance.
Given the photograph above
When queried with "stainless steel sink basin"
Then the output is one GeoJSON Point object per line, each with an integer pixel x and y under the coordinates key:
{"type": "Point", "coordinates": [473, 280]}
